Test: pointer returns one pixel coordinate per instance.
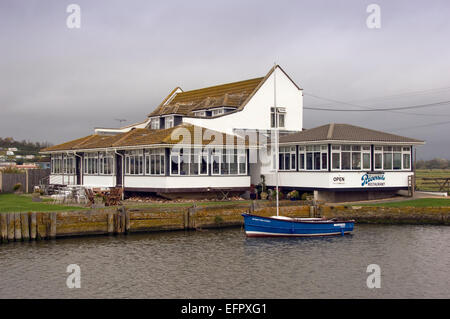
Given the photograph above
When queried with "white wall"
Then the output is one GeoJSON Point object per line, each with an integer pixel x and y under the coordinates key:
{"type": "Point", "coordinates": [63, 179]}
{"type": "Point", "coordinates": [256, 114]}
{"type": "Point", "coordinates": [187, 181]}
{"type": "Point", "coordinates": [333, 179]}
{"type": "Point", "coordinates": [99, 181]}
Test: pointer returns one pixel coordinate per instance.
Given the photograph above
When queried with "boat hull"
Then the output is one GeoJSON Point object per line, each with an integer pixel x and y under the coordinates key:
{"type": "Point", "coordinates": [259, 226]}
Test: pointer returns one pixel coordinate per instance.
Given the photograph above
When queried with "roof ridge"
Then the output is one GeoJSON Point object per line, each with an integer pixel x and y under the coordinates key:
{"type": "Point", "coordinates": [330, 131]}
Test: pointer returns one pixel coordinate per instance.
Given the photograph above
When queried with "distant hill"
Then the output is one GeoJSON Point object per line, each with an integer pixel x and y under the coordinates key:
{"type": "Point", "coordinates": [24, 147]}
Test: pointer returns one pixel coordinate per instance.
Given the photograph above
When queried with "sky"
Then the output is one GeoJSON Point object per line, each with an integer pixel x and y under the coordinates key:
{"type": "Point", "coordinates": [58, 83]}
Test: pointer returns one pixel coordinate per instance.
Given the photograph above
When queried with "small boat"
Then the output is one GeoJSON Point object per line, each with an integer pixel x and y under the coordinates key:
{"type": "Point", "coordinates": [279, 226]}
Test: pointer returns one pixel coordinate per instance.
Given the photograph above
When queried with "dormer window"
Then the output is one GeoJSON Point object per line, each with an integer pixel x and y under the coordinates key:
{"type": "Point", "coordinates": [154, 123]}
{"type": "Point", "coordinates": [217, 112]}
{"type": "Point", "coordinates": [169, 121]}
{"type": "Point", "coordinates": [199, 113]}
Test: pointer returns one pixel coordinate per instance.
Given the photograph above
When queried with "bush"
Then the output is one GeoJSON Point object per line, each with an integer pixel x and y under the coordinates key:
{"type": "Point", "coordinates": [293, 195]}
{"type": "Point", "coordinates": [17, 187]}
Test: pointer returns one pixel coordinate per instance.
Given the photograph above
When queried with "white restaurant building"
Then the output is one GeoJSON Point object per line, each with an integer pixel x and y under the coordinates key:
{"type": "Point", "coordinates": [336, 161]}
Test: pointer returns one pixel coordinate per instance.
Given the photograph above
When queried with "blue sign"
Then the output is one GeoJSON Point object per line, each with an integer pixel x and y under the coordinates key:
{"type": "Point", "coordinates": [372, 180]}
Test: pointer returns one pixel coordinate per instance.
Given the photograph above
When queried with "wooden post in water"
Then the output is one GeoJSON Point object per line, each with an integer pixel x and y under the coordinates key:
{"type": "Point", "coordinates": [10, 222]}
{"type": "Point", "coordinates": [3, 228]}
{"type": "Point", "coordinates": [25, 226]}
{"type": "Point", "coordinates": [110, 221]}
{"type": "Point", "coordinates": [33, 226]}
{"type": "Point", "coordinates": [52, 225]}
{"type": "Point", "coordinates": [127, 221]}
{"type": "Point", "coordinates": [17, 227]}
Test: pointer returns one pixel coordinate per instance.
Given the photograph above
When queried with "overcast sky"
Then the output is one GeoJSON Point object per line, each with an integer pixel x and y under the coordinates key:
{"type": "Point", "coordinates": [58, 83]}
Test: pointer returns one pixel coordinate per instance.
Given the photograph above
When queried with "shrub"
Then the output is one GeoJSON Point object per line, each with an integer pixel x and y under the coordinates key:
{"type": "Point", "coordinates": [17, 187]}
{"type": "Point", "coordinates": [293, 195]}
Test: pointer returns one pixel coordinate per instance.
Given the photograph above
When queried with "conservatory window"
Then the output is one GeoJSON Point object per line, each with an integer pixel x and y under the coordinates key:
{"type": "Point", "coordinates": [91, 163]}
{"type": "Point", "coordinates": [287, 158]}
{"type": "Point", "coordinates": [134, 162]}
{"type": "Point", "coordinates": [106, 164]}
{"type": "Point", "coordinates": [155, 162]}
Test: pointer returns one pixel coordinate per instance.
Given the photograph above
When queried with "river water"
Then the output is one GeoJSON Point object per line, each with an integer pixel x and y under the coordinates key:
{"type": "Point", "coordinates": [414, 263]}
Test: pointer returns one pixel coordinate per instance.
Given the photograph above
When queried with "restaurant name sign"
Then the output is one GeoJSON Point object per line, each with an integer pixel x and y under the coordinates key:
{"type": "Point", "coordinates": [373, 180]}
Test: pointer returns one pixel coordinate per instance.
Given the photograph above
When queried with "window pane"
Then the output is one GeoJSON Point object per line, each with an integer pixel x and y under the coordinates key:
{"type": "Point", "coordinates": [316, 160]}
{"type": "Point", "coordinates": [378, 161]}
{"type": "Point", "coordinates": [336, 158]}
{"type": "Point", "coordinates": [281, 161]}
{"type": "Point", "coordinates": [293, 161]}
{"type": "Point", "coordinates": [356, 160]}
{"type": "Point", "coordinates": [406, 161]}
{"type": "Point", "coordinates": [397, 160]}
{"type": "Point", "coordinates": [309, 161]}
{"type": "Point", "coordinates": [345, 157]}
{"type": "Point", "coordinates": [366, 161]}
{"type": "Point", "coordinates": [387, 160]}
{"type": "Point", "coordinates": [287, 162]}
{"type": "Point", "coordinates": [302, 161]}
{"type": "Point", "coordinates": [162, 163]}
{"type": "Point", "coordinates": [280, 120]}
{"type": "Point", "coordinates": [324, 160]}
{"type": "Point", "coordinates": [216, 164]}
{"type": "Point", "coordinates": [174, 163]}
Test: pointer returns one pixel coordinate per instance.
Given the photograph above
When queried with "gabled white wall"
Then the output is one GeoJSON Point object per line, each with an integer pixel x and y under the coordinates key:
{"type": "Point", "coordinates": [256, 113]}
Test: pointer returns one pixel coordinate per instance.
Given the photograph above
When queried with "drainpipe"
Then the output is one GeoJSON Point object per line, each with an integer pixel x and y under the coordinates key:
{"type": "Point", "coordinates": [81, 172]}
{"type": "Point", "coordinates": [123, 180]}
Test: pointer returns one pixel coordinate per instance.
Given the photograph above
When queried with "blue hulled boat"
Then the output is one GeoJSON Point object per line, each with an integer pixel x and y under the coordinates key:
{"type": "Point", "coordinates": [259, 226]}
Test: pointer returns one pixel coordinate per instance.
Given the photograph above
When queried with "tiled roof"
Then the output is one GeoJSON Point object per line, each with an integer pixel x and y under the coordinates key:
{"type": "Point", "coordinates": [230, 95]}
{"type": "Point", "coordinates": [144, 137]}
{"type": "Point", "coordinates": [345, 132]}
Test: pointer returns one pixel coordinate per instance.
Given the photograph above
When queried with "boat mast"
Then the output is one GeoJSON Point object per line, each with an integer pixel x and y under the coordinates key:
{"type": "Point", "coordinates": [277, 156]}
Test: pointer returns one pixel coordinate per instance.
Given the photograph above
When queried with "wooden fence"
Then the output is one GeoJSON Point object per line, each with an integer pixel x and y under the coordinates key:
{"type": "Point", "coordinates": [28, 178]}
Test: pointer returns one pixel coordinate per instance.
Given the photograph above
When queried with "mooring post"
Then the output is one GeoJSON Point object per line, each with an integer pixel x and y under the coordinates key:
{"type": "Point", "coordinates": [10, 222]}
{"type": "Point", "coordinates": [17, 227]}
{"type": "Point", "coordinates": [127, 220]}
{"type": "Point", "coordinates": [33, 226]}
{"type": "Point", "coordinates": [3, 228]}
{"type": "Point", "coordinates": [110, 223]}
{"type": "Point", "coordinates": [52, 225]}
{"type": "Point", "coordinates": [25, 226]}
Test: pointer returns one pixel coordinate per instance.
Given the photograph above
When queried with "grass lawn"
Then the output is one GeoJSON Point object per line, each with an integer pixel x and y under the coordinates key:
{"type": "Point", "coordinates": [23, 203]}
{"type": "Point", "coordinates": [421, 202]}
